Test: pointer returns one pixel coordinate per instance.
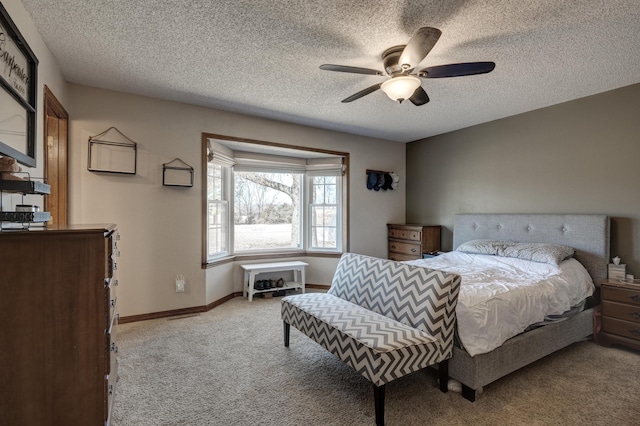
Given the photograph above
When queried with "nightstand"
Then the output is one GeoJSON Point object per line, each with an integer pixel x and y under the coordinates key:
{"type": "Point", "coordinates": [410, 242]}
{"type": "Point", "coordinates": [620, 313]}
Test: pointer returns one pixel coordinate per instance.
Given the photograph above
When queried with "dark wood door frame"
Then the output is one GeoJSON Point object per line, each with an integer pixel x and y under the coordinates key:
{"type": "Point", "coordinates": [56, 143]}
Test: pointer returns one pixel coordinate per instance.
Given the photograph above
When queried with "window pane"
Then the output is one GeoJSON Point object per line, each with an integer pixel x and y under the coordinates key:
{"type": "Point", "coordinates": [267, 210]}
{"type": "Point", "coordinates": [323, 229]}
{"type": "Point", "coordinates": [217, 228]}
{"type": "Point", "coordinates": [318, 193]}
{"type": "Point", "coordinates": [324, 212]}
{"type": "Point", "coordinates": [331, 190]}
{"type": "Point", "coordinates": [217, 212]}
{"type": "Point", "coordinates": [214, 182]}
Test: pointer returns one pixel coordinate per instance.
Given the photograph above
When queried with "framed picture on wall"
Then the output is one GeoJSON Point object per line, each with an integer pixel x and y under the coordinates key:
{"type": "Point", "coordinates": [18, 86]}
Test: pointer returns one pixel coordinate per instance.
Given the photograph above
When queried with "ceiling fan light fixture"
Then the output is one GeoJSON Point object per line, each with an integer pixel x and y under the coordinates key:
{"type": "Point", "coordinates": [400, 88]}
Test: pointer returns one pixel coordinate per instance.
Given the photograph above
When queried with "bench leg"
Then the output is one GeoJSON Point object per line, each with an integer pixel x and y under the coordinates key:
{"type": "Point", "coordinates": [250, 285]}
{"type": "Point", "coordinates": [378, 398]}
{"type": "Point", "coordinates": [443, 373]}
{"type": "Point", "coordinates": [287, 329]}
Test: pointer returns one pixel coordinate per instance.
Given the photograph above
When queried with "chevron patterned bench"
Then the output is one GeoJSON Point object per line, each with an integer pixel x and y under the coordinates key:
{"type": "Point", "coordinates": [382, 318]}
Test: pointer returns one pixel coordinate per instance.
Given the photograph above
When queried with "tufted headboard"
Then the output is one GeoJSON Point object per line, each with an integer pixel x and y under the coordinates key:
{"type": "Point", "coordinates": [587, 234]}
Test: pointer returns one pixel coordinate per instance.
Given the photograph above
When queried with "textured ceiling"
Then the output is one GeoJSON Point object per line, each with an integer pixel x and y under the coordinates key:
{"type": "Point", "coordinates": [261, 57]}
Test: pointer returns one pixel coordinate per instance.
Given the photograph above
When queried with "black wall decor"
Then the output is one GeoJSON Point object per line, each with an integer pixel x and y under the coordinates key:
{"type": "Point", "coordinates": [112, 152]}
{"type": "Point", "coordinates": [177, 173]}
{"type": "Point", "coordinates": [18, 93]}
{"type": "Point", "coordinates": [378, 179]}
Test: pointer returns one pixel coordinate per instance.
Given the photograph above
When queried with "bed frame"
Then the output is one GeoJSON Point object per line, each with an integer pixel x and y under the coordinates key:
{"type": "Point", "coordinates": [589, 235]}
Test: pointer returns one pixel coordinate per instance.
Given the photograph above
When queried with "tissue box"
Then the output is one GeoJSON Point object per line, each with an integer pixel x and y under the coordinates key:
{"type": "Point", "coordinates": [617, 271]}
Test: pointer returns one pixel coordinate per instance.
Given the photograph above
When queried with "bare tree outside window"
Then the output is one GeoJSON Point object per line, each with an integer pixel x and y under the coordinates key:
{"type": "Point", "coordinates": [267, 210]}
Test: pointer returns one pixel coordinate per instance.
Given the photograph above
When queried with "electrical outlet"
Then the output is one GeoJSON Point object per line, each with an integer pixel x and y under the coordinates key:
{"type": "Point", "coordinates": [180, 283]}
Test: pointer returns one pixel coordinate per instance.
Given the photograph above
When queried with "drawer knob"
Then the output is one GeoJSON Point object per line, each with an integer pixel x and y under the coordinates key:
{"type": "Point", "coordinates": [393, 246]}
{"type": "Point", "coordinates": [635, 297]}
{"type": "Point", "coordinates": [413, 250]}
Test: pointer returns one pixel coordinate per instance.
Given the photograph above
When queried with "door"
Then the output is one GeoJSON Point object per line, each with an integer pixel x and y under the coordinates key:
{"type": "Point", "coordinates": [55, 166]}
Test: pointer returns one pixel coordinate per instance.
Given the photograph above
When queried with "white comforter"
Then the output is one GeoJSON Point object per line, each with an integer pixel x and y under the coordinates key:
{"type": "Point", "coordinates": [501, 296]}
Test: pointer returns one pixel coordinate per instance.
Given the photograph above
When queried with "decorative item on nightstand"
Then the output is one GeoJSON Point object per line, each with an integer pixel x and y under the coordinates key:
{"type": "Point", "coordinates": [410, 242]}
{"type": "Point", "coordinates": [617, 270]}
{"type": "Point", "coordinates": [432, 254]}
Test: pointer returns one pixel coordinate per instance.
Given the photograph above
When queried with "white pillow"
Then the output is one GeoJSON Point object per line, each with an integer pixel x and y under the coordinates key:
{"type": "Point", "coordinates": [535, 252]}
{"type": "Point", "coordinates": [538, 252]}
{"type": "Point", "coordinates": [482, 246]}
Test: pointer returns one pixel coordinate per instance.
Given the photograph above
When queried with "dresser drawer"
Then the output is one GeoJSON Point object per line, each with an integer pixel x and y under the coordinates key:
{"type": "Point", "coordinates": [621, 328]}
{"type": "Point", "coordinates": [111, 375]}
{"type": "Point", "coordinates": [405, 248]}
{"type": "Point", "coordinates": [111, 246]}
{"type": "Point", "coordinates": [623, 295]}
{"type": "Point", "coordinates": [405, 234]}
{"type": "Point", "coordinates": [111, 294]}
{"type": "Point", "coordinates": [621, 311]}
{"type": "Point", "coordinates": [402, 257]}
{"type": "Point", "coordinates": [111, 343]}
{"type": "Point", "coordinates": [110, 391]}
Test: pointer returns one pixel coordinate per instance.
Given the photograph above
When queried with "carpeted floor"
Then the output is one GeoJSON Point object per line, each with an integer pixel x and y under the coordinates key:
{"type": "Point", "coordinates": [229, 367]}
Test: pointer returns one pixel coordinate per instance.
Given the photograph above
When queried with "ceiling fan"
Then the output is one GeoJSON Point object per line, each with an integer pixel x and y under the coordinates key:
{"type": "Point", "coordinates": [399, 63]}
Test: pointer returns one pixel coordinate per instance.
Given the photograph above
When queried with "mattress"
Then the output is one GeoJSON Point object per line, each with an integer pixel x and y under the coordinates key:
{"type": "Point", "coordinates": [500, 297]}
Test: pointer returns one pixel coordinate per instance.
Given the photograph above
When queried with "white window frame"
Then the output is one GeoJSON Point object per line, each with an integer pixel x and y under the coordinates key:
{"type": "Point", "coordinates": [225, 174]}
{"type": "Point", "coordinates": [309, 213]}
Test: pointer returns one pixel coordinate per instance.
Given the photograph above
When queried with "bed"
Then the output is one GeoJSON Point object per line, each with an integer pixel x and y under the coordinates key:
{"type": "Point", "coordinates": [589, 235]}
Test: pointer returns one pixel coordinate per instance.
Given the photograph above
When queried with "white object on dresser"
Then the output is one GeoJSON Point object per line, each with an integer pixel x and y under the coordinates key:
{"type": "Point", "coordinates": [617, 271]}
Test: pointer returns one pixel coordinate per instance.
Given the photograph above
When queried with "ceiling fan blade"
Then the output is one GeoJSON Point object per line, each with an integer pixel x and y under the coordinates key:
{"type": "Point", "coordinates": [362, 93]}
{"type": "Point", "coordinates": [344, 68]}
{"type": "Point", "coordinates": [419, 97]}
{"type": "Point", "coordinates": [457, 70]}
{"type": "Point", "coordinates": [418, 47]}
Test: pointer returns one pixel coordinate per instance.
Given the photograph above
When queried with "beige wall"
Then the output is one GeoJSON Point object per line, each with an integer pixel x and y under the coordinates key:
{"type": "Point", "coordinates": [581, 156]}
{"type": "Point", "coordinates": [161, 226]}
{"type": "Point", "coordinates": [48, 74]}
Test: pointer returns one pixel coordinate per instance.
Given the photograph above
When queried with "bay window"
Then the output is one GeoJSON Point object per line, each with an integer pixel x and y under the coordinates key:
{"type": "Point", "coordinates": [263, 199]}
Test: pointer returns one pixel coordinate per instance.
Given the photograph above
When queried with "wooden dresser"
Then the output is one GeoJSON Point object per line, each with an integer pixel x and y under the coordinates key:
{"type": "Point", "coordinates": [409, 242]}
{"type": "Point", "coordinates": [620, 314]}
{"type": "Point", "coordinates": [59, 306]}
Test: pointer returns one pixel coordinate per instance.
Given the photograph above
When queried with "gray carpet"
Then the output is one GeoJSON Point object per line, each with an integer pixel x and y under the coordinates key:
{"type": "Point", "coordinates": [229, 367]}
